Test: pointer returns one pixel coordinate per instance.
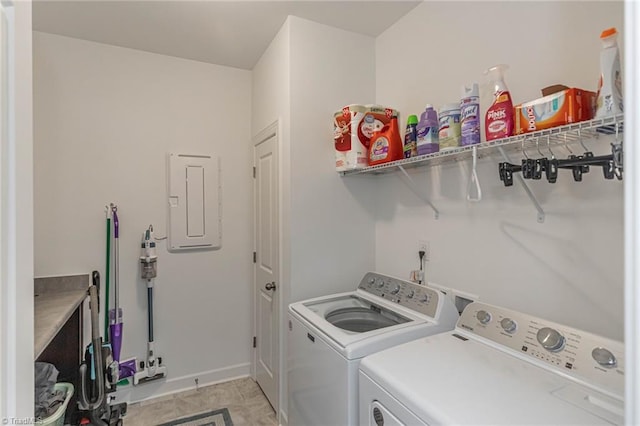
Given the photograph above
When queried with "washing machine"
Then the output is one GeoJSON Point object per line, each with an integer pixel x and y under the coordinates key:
{"type": "Point", "coordinates": [497, 367]}
{"type": "Point", "coordinates": [329, 335]}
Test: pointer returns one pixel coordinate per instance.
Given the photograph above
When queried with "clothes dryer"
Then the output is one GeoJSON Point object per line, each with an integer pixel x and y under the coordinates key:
{"type": "Point", "coordinates": [498, 367]}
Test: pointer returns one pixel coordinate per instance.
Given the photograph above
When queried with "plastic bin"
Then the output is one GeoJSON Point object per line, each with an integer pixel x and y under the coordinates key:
{"type": "Point", "coordinates": [57, 418]}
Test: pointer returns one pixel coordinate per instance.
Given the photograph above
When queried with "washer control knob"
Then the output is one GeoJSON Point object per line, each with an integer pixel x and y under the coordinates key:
{"type": "Point", "coordinates": [425, 298]}
{"type": "Point", "coordinates": [483, 316]}
{"type": "Point", "coordinates": [411, 294]}
{"type": "Point", "coordinates": [508, 325]}
{"type": "Point", "coordinates": [604, 357]}
{"type": "Point", "coordinates": [550, 339]}
{"type": "Point", "coordinates": [372, 280]}
{"type": "Point", "coordinates": [396, 289]}
{"type": "Point", "coordinates": [380, 283]}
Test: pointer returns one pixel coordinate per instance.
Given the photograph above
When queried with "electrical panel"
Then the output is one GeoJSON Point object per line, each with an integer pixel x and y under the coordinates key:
{"type": "Point", "coordinates": [195, 202]}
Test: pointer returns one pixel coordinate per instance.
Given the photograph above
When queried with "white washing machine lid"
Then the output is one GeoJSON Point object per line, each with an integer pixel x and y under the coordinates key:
{"type": "Point", "coordinates": [354, 345]}
{"type": "Point", "coordinates": [453, 379]}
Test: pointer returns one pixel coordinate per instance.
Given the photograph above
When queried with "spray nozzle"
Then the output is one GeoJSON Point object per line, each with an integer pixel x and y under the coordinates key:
{"type": "Point", "coordinates": [497, 71]}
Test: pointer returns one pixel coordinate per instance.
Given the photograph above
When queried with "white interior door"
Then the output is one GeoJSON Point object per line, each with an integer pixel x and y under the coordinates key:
{"type": "Point", "coordinates": [632, 211]}
{"type": "Point", "coordinates": [4, 279]}
{"type": "Point", "coordinates": [266, 265]}
{"type": "Point", "coordinates": [16, 211]}
{"type": "Point", "coordinates": [5, 282]}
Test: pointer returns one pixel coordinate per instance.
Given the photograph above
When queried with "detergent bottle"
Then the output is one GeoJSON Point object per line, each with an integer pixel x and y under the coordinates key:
{"type": "Point", "coordinates": [410, 137]}
{"type": "Point", "coordinates": [427, 132]}
{"type": "Point", "coordinates": [386, 144]}
{"type": "Point", "coordinates": [610, 85]}
{"type": "Point", "coordinates": [499, 117]}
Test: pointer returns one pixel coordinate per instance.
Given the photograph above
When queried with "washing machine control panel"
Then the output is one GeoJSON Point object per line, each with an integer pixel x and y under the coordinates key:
{"type": "Point", "coordinates": [411, 295]}
{"type": "Point", "coordinates": [595, 359]}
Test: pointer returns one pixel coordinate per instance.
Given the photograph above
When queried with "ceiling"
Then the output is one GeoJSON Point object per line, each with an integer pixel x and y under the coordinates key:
{"type": "Point", "coordinates": [231, 33]}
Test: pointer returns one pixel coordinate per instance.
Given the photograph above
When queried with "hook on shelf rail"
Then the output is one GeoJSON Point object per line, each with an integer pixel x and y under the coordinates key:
{"type": "Point", "coordinates": [506, 175]}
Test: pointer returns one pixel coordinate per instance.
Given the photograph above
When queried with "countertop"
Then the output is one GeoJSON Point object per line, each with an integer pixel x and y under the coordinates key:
{"type": "Point", "coordinates": [56, 298]}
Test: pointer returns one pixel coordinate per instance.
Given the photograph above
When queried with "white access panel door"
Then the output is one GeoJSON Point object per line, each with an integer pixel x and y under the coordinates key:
{"type": "Point", "coordinates": [195, 203]}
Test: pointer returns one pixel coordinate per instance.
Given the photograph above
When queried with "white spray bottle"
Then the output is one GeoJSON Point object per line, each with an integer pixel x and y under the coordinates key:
{"type": "Point", "coordinates": [610, 84]}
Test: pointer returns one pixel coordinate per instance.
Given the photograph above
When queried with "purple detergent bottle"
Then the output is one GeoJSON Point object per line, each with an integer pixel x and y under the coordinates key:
{"type": "Point", "coordinates": [427, 132]}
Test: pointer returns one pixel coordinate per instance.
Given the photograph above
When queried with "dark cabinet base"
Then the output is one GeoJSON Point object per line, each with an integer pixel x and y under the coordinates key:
{"type": "Point", "coordinates": [65, 352]}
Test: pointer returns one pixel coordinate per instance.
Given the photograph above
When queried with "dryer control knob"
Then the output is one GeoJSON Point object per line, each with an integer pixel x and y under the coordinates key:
{"type": "Point", "coordinates": [372, 280]}
{"type": "Point", "coordinates": [411, 294]}
{"type": "Point", "coordinates": [483, 316]}
{"type": "Point", "coordinates": [425, 298]}
{"type": "Point", "coordinates": [550, 339]}
{"type": "Point", "coordinates": [604, 357]}
{"type": "Point", "coordinates": [395, 290]}
{"type": "Point", "coordinates": [508, 325]}
{"type": "Point", "coordinates": [380, 283]}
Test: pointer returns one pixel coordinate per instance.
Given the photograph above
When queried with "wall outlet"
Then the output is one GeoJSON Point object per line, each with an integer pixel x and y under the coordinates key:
{"type": "Point", "coordinates": [424, 245]}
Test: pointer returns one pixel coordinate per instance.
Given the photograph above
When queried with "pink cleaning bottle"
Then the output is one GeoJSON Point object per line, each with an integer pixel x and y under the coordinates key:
{"type": "Point", "coordinates": [499, 118]}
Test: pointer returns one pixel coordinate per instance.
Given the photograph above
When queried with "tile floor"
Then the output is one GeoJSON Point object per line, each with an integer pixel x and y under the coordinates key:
{"type": "Point", "coordinates": [243, 398]}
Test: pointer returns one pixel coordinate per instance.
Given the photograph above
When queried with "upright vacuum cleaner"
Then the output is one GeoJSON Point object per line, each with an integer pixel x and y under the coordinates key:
{"type": "Point", "coordinates": [95, 374]}
{"type": "Point", "coordinates": [152, 369]}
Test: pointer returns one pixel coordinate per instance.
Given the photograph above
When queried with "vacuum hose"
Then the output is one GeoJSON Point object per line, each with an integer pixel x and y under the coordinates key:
{"type": "Point", "coordinates": [95, 407]}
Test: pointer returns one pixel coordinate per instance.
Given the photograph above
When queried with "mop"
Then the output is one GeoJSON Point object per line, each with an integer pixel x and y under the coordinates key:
{"type": "Point", "coordinates": [115, 314]}
{"type": "Point", "coordinates": [126, 368]}
{"type": "Point", "coordinates": [107, 270]}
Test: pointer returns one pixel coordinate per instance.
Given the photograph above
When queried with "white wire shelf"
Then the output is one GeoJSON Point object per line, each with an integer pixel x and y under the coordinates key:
{"type": "Point", "coordinates": [542, 139]}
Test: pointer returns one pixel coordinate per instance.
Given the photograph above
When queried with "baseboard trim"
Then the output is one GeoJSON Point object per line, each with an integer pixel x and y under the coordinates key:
{"type": "Point", "coordinates": [152, 390]}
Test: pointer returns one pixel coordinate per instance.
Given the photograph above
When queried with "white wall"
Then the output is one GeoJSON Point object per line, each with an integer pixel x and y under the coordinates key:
{"type": "Point", "coordinates": [106, 117]}
{"type": "Point", "coordinates": [16, 214]}
{"type": "Point", "coordinates": [332, 218]}
{"type": "Point", "coordinates": [632, 237]}
{"type": "Point", "coordinates": [327, 222]}
{"type": "Point", "coordinates": [569, 269]}
{"type": "Point", "coordinates": [270, 102]}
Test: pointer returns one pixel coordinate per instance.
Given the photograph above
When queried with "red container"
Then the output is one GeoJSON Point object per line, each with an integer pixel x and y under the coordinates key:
{"type": "Point", "coordinates": [386, 144]}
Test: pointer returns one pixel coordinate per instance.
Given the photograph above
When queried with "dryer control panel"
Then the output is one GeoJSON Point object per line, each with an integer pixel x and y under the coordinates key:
{"type": "Point", "coordinates": [583, 355]}
{"type": "Point", "coordinates": [410, 295]}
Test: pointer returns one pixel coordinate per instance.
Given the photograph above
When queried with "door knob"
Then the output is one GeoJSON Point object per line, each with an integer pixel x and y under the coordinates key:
{"type": "Point", "coordinates": [270, 286]}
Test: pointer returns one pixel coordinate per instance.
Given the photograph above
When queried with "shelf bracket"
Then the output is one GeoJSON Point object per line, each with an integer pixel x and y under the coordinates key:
{"type": "Point", "coordinates": [532, 197]}
{"type": "Point", "coordinates": [473, 178]}
{"type": "Point", "coordinates": [414, 188]}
